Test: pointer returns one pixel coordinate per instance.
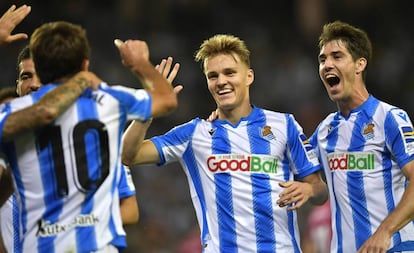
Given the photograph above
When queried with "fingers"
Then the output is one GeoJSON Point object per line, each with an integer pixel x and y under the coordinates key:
{"type": "Point", "coordinates": [9, 20]}
{"type": "Point", "coordinates": [165, 68]}
{"type": "Point", "coordinates": [118, 43]}
{"type": "Point", "coordinates": [292, 196]}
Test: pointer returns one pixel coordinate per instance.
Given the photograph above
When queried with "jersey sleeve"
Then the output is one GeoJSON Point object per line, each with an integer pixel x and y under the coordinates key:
{"type": "Point", "coordinates": [399, 136]}
{"type": "Point", "coordinates": [126, 185]}
{"type": "Point", "coordinates": [174, 143]}
{"type": "Point", "coordinates": [138, 102]}
{"type": "Point", "coordinates": [303, 155]}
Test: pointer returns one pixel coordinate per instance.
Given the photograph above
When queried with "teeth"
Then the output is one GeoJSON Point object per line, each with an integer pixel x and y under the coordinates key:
{"type": "Point", "coordinates": [330, 75]}
{"type": "Point", "coordinates": [223, 91]}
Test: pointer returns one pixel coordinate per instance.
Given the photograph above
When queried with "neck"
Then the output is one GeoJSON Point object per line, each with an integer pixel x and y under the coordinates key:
{"type": "Point", "coordinates": [356, 100]}
{"type": "Point", "coordinates": [235, 114]}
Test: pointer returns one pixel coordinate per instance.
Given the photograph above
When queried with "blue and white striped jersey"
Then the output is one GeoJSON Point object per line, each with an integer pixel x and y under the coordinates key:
{"type": "Point", "coordinates": [362, 156]}
{"type": "Point", "coordinates": [9, 212]}
{"type": "Point", "coordinates": [67, 173]}
{"type": "Point", "coordinates": [233, 173]}
{"type": "Point", "coordinates": [126, 187]}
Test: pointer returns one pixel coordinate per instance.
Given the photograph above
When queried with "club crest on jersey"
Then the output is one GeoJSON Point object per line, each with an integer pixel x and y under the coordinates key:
{"type": "Point", "coordinates": [267, 133]}
{"type": "Point", "coordinates": [408, 135]}
{"type": "Point", "coordinates": [368, 131]}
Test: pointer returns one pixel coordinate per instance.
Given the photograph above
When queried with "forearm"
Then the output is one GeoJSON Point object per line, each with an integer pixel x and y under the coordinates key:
{"type": "Point", "coordinates": [47, 109]}
{"type": "Point", "coordinates": [132, 141]}
{"type": "Point", "coordinates": [320, 193]}
{"type": "Point", "coordinates": [402, 214]}
{"type": "Point", "coordinates": [163, 96]}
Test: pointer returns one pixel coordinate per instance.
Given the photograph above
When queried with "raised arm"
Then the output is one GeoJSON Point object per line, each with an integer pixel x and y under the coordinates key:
{"type": "Point", "coordinates": [135, 149]}
{"type": "Point", "coordinates": [50, 106]}
{"type": "Point", "coordinates": [135, 55]}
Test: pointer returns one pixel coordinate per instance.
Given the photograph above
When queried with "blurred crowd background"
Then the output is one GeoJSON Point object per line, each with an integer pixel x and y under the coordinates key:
{"type": "Point", "coordinates": [282, 37]}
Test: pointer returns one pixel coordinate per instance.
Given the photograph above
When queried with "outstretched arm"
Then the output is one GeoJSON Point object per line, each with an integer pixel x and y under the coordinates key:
{"type": "Point", "coordinates": [50, 106]}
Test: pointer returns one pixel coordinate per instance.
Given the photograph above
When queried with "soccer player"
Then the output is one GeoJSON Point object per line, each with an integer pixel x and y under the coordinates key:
{"type": "Point", "coordinates": [241, 168]}
{"type": "Point", "coordinates": [65, 172]}
{"type": "Point", "coordinates": [27, 82]}
{"type": "Point", "coordinates": [366, 149]}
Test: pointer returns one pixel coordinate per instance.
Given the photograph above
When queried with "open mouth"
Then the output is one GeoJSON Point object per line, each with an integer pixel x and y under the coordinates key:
{"type": "Point", "coordinates": [332, 80]}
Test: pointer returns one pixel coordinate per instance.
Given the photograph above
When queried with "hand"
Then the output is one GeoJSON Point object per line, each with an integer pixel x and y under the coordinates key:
{"type": "Point", "coordinates": [94, 81]}
{"type": "Point", "coordinates": [133, 52]}
{"type": "Point", "coordinates": [10, 19]}
{"type": "Point", "coordinates": [378, 243]}
{"type": "Point", "coordinates": [213, 116]}
{"type": "Point", "coordinates": [165, 69]}
{"type": "Point", "coordinates": [295, 193]}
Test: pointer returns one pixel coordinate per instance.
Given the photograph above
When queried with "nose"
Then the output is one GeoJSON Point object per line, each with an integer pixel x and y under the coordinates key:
{"type": "Point", "coordinates": [221, 79]}
{"type": "Point", "coordinates": [328, 64]}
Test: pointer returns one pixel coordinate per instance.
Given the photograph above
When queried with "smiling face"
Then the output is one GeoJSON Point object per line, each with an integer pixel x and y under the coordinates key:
{"type": "Point", "coordinates": [27, 81]}
{"type": "Point", "coordinates": [228, 81]}
{"type": "Point", "coordinates": [340, 73]}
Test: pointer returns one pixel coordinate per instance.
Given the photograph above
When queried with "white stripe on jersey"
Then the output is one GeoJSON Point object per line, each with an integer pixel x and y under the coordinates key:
{"type": "Point", "coordinates": [362, 156]}
{"type": "Point", "coordinates": [67, 174]}
{"type": "Point", "coordinates": [233, 174]}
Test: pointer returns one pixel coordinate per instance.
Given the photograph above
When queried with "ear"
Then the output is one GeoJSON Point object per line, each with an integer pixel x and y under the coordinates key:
{"type": "Point", "coordinates": [361, 65]}
{"type": "Point", "coordinates": [85, 65]}
{"type": "Point", "coordinates": [250, 77]}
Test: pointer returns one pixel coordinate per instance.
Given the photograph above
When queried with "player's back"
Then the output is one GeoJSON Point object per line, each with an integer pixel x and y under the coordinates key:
{"type": "Point", "coordinates": [66, 173]}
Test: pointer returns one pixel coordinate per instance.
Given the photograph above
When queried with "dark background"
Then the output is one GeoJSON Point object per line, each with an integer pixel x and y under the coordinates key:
{"type": "Point", "coordinates": [282, 37]}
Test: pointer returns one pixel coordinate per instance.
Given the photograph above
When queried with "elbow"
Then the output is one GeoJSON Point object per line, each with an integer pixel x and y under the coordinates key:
{"type": "Point", "coordinates": [47, 114]}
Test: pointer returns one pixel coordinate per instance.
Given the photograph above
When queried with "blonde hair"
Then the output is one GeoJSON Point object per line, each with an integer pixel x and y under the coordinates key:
{"type": "Point", "coordinates": [223, 44]}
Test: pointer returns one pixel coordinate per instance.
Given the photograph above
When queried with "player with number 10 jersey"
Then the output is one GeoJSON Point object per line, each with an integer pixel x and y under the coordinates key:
{"type": "Point", "coordinates": [67, 173]}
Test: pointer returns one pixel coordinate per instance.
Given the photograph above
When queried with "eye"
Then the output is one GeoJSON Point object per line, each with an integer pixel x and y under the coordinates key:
{"type": "Point", "coordinates": [26, 77]}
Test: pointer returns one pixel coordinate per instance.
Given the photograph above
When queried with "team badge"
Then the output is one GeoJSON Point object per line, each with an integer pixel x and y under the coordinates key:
{"type": "Point", "coordinates": [368, 131]}
{"type": "Point", "coordinates": [267, 133]}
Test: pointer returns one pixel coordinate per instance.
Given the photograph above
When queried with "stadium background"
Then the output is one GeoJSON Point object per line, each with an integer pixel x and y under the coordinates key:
{"type": "Point", "coordinates": [282, 37]}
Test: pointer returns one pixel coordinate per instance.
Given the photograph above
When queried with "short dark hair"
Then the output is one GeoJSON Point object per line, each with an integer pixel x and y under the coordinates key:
{"type": "Point", "coordinates": [58, 50]}
{"type": "Point", "coordinates": [7, 93]}
{"type": "Point", "coordinates": [355, 39]}
{"type": "Point", "coordinates": [23, 55]}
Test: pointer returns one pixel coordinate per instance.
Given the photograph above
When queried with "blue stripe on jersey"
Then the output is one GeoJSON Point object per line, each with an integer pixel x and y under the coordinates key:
{"type": "Point", "coordinates": [16, 223]}
{"type": "Point", "coordinates": [355, 182]}
{"type": "Point", "coordinates": [53, 202]}
{"type": "Point", "coordinates": [47, 166]}
{"type": "Point", "coordinates": [194, 172]}
{"type": "Point", "coordinates": [227, 227]}
{"type": "Point", "coordinates": [180, 136]}
{"type": "Point", "coordinates": [391, 127]}
{"type": "Point", "coordinates": [330, 147]}
{"type": "Point", "coordinates": [86, 109]}
{"type": "Point", "coordinates": [262, 200]}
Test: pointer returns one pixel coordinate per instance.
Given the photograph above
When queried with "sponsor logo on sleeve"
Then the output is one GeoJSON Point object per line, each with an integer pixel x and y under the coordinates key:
{"type": "Point", "coordinates": [408, 136]}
